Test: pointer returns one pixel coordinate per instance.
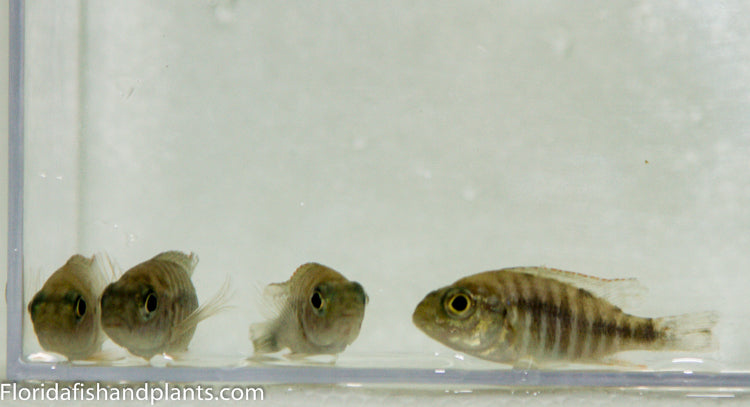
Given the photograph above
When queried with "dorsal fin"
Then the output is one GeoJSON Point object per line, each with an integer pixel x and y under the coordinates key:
{"type": "Point", "coordinates": [621, 292]}
{"type": "Point", "coordinates": [186, 261]}
{"type": "Point", "coordinates": [86, 271]}
{"type": "Point", "coordinates": [303, 269]}
{"type": "Point", "coordinates": [80, 260]}
{"type": "Point", "coordinates": [108, 267]}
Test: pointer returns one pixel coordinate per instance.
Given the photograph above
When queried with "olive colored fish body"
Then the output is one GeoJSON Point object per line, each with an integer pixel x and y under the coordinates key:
{"type": "Point", "coordinates": [153, 307]}
{"type": "Point", "coordinates": [543, 315]}
{"type": "Point", "coordinates": [318, 311]}
{"type": "Point", "coordinates": [65, 312]}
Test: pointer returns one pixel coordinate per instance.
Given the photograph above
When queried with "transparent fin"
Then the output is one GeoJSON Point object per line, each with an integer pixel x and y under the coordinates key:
{"type": "Point", "coordinates": [273, 306]}
{"type": "Point", "coordinates": [622, 364]}
{"type": "Point", "coordinates": [312, 359]}
{"type": "Point", "coordinates": [212, 307]}
{"type": "Point", "coordinates": [303, 269]}
{"type": "Point", "coordinates": [106, 355]}
{"type": "Point", "coordinates": [263, 335]}
{"type": "Point", "coordinates": [32, 282]}
{"type": "Point", "coordinates": [689, 332]}
{"type": "Point", "coordinates": [108, 268]}
{"type": "Point", "coordinates": [184, 260]}
{"type": "Point", "coordinates": [102, 272]}
{"type": "Point", "coordinates": [621, 292]}
{"type": "Point", "coordinates": [78, 260]}
{"type": "Point", "coordinates": [274, 300]}
{"type": "Point", "coordinates": [526, 363]}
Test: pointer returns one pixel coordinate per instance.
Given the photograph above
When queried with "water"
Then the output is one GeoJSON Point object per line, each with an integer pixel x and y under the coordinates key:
{"type": "Point", "coordinates": [405, 145]}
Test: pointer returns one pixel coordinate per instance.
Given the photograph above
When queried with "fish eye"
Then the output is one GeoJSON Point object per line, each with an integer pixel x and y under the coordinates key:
{"type": "Point", "coordinates": [150, 303]}
{"type": "Point", "coordinates": [80, 307]}
{"type": "Point", "coordinates": [317, 300]}
{"type": "Point", "coordinates": [458, 304]}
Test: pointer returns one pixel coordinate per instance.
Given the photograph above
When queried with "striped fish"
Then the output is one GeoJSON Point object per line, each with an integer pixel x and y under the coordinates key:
{"type": "Point", "coordinates": [153, 307]}
{"type": "Point", "coordinates": [540, 314]}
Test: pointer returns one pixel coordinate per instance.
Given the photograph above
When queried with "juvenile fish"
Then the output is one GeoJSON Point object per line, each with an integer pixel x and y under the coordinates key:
{"type": "Point", "coordinates": [541, 314]}
{"type": "Point", "coordinates": [318, 311]}
{"type": "Point", "coordinates": [65, 312]}
{"type": "Point", "coordinates": [153, 307]}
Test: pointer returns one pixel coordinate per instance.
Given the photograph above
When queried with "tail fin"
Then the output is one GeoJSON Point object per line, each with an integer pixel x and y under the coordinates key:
{"type": "Point", "coordinates": [688, 332]}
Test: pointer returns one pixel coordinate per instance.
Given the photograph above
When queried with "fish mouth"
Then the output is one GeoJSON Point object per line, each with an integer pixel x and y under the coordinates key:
{"type": "Point", "coordinates": [113, 324]}
{"type": "Point", "coordinates": [422, 318]}
{"type": "Point", "coordinates": [114, 321]}
{"type": "Point", "coordinates": [420, 321]}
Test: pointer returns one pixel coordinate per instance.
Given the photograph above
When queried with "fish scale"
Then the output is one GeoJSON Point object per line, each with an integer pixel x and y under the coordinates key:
{"type": "Point", "coordinates": [542, 314]}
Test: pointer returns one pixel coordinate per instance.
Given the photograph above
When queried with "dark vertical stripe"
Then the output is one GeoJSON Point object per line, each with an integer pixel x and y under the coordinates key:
{"type": "Point", "coordinates": [606, 331]}
{"type": "Point", "coordinates": [616, 343]}
{"type": "Point", "coordinates": [644, 331]}
{"type": "Point", "coordinates": [552, 315]}
{"type": "Point", "coordinates": [526, 311]}
{"type": "Point", "coordinates": [597, 332]}
{"type": "Point", "coordinates": [627, 330]}
{"type": "Point", "coordinates": [509, 295]}
{"type": "Point", "coordinates": [582, 325]}
{"type": "Point", "coordinates": [566, 321]}
{"type": "Point", "coordinates": [536, 291]}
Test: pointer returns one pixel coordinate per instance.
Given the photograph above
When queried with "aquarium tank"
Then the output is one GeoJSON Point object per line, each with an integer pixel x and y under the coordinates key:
{"type": "Point", "coordinates": [403, 145]}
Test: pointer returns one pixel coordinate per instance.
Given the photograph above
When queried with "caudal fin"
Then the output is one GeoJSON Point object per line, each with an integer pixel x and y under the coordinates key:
{"type": "Point", "coordinates": [688, 332]}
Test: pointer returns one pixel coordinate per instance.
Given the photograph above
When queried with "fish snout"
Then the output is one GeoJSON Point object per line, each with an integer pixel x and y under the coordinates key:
{"type": "Point", "coordinates": [105, 301]}
{"type": "Point", "coordinates": [418, 316]}
{"type": "Point", "coordinates": [35, 305]}
{"type": "Point", "coordinates": [111, 306]}
{"type": "Point", "coordinates": [425, 311]}
{"type": "Point", "coordinates": [360, 293]}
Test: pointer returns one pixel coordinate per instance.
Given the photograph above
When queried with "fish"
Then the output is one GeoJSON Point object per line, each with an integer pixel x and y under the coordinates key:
{"type": "Point", "coordinates": [65, 312]}
{"type": "Point", "coordinates": [317, 311]}
{"type": "Point", "coordinates": [541, 315]}
{"type": "Point", "coordinates": [153, 307]}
